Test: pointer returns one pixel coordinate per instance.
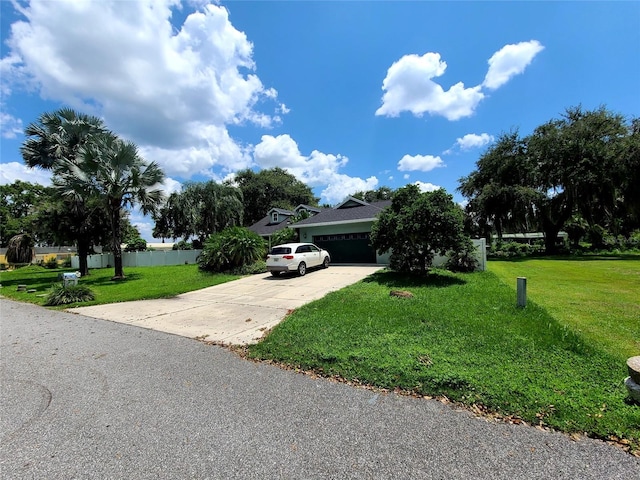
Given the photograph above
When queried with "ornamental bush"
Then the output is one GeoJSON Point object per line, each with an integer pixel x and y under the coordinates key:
{"type": "Point", "coordinates": [231, 249]}
{"type": "Point", "coordinates": [416, 226]}
{"type": "Point", "coordinates": [61, 295]}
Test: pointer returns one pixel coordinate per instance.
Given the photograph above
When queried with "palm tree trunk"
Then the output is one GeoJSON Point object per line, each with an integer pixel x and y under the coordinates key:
{"type": "Point", "coordinates": [83, 253]}
{"type": "Point", "coordinates": [117, 248]}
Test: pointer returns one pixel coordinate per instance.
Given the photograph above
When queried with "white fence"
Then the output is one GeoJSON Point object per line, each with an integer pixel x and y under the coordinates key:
{"type": "Point", "coordinates": [141, 259]}
{"type": "Point", "coordinates": [481, 255]}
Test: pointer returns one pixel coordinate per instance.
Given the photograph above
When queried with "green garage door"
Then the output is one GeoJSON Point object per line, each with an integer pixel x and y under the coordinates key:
{"type": "Point", "coordinates": [347, 247]}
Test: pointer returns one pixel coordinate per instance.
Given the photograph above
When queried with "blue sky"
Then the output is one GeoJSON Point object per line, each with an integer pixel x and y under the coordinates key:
{"type": "Point", "coordinates": [346, 96]}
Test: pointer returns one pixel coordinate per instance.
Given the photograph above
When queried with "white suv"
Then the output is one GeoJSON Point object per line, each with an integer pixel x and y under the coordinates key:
{"type": "Point", "coordinates": [298, 257]}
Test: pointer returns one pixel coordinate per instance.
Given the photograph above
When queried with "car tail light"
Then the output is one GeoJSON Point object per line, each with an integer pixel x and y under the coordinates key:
{"type": "Point", "coordinates": [288, 257]}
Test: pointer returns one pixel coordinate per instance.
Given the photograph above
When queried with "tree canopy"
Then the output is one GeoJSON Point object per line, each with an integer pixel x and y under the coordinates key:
{"type": "Point", "coordinates": [199, 210]}
{"type": "Point", "coordinates": [19, 202]}
{"type": "Point", "coordinates": [416, 226]}
{"type": "Point", "coordinates": [370, 196]}
{"type": "Point", "coordinates": [96, 175]}
{"type": "Point", "coordinates": [578, 167]}
{"type": "Point", "coordinates": [110, 170]}
{"type": "Point", "coordinates": [270, 188]}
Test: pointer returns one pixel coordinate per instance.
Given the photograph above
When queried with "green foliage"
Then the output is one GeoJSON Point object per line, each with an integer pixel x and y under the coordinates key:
{"type": "Point", "coordinates": [66, 263]}
{"type": "Point", "coordinates": [182, 245]}
{"type": "Point", "coordinates": [286, 235]}
{"type": "Point", "coordinates": [61, 295]}
{"type": "Point", "coordinates": [464, 259]}
{"type": "Point", "coordinates": [417, 226]}
{"type": "Point", "coordinates": [51, 263]}
{"type": "Point", "coordinates": [578, 173]}
{"type": "Point", "coordinates": [20, 249]}
{"type": "Point", "coordinates": [513, 249]}
{"type": "Point", "coordinates": [136, 245]}
{"type": "Point", "coordinates": [230, 249]}
{"type": "Point", "coordinates": [251, 269]}
{"type": "Point", "coordinates": [370, 196]}
{"type": "Point", "coordinates": [111, 170]}
{"type": "Point", "coordinates": [200, 209]}
{"type": "Point", "coordinates": [270, 188]}
{"type": "Point", "coordinates": [19, 203]}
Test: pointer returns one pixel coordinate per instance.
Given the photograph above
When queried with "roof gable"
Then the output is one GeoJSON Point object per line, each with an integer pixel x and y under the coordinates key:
{"type": "Point", "coordinates": [358, 211]}
{"type": "Point", "coordinates": [351, 202]}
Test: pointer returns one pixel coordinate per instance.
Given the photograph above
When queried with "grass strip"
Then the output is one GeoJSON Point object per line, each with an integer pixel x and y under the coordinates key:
{"type": "Point", "coordinates": [460, 336]}
{"type": "Point", "coordinates": [140, 283]}
{"type": "Point", "coordinates": [596, 296]}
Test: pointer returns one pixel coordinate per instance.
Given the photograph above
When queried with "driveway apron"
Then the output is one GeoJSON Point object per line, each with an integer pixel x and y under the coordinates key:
{"type": "Point", "coordinates": [233, 313]}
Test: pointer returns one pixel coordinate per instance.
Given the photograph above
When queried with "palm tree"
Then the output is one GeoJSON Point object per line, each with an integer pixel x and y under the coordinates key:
{"type": "Point", "coordinates": [111, 169]}
{"type": "Point", "coordinates": [200, 210]}
{"type": "Point", "coordinates": [57, 137]}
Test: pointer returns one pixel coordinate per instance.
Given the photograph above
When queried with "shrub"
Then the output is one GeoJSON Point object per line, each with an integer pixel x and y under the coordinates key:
{"type": "Point", "coordinates": [182, 245]}
{"type": "Point", "coordinates": [462, 260]}
{"type": "Point", "coordinates": [251, 269]}
{"type": "Point", "coordinates": [61, 295]}
{"type": "Point", "coordinates": [51, 262]}
{"type": "Point", "coordinates": [230, 249]}
{"type": "Point", "coordinates": [66, 263]}
{"type": "Point", "coordinates": [136, 245]}
{"type": "Point", "coordinates": [286, 235]}
{"type": "Point", "coordinates": [514, 249]}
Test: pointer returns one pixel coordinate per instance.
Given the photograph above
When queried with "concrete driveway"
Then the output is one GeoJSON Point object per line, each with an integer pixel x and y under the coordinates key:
{"type": "Point", "coordinates": [234, 313]}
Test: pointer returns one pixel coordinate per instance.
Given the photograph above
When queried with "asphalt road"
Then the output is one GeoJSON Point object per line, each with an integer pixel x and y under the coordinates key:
{"type": "Point", "coordinates": [84, 398]}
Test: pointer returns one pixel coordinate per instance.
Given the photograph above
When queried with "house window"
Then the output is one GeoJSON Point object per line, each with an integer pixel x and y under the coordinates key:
{"type": "Point", "coordinates": [274, 217]}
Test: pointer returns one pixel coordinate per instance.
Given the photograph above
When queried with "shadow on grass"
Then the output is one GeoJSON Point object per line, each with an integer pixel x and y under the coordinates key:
{"type": "Point", "coordinates": [102, 281]}
{"type": "Point", "coordinates": [402, 280]}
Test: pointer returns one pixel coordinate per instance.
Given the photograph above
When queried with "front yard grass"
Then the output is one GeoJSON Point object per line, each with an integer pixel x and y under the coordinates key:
{"type": "Point", "coordinates": [461, 336]}
{"type": "Point", "coordinates": [140, 283]}
{"type": "Point", "coordinates": [596, 296]}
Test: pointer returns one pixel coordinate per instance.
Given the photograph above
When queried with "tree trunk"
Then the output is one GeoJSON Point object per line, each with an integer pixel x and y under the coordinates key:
{"type": "Point", "coordinates": [117, 248]}
{"type": "Point", "coordinates": [83, 253]}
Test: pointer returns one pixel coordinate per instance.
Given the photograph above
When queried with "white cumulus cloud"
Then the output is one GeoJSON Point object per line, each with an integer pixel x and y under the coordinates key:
{"type": "Point", "coordinates": [12, 171]}
{"type": "Point", "coordinates": [509, 61]}
{"type": "Point", "coordinates": [10, 126]}
{"type": "Point", "coordinates": [423, 163]}
{"type": "Point", "coordinates": [427, 187]}
{"type": "Point", "coordinates": [317, 169]}
{"type": "Point", "coordinates": [171, 88]}
{"type": "Point", "coordinates": [469, 142]}
{"type": "Point", "coordinates": [409, 87]}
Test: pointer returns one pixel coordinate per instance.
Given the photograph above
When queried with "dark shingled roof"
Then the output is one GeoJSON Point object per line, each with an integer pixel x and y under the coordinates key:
{"type": "Point", "coordinates": [266, 227]}
{"type": "Point", "coordinates": [345, 214]}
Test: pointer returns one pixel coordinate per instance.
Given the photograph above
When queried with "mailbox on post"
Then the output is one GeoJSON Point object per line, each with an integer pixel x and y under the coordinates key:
{"type": "Point", "coordinates": [70, 278]}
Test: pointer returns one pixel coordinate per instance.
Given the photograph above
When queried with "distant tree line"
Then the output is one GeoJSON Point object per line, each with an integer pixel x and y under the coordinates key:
{"type": "Point", "coordinates": [579, 173]}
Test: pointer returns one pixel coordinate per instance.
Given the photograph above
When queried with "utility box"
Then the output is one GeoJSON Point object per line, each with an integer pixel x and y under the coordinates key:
{"type": "Point", "coordinates": [69, 279]}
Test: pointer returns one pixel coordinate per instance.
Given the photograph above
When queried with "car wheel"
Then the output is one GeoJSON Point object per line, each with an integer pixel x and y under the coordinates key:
{"type": "Point", "coordinates": [302, 269]}
{"type": "Point", "coordinates": [275, 274]}
{"type": "Point", "coordinates": [325, 264]}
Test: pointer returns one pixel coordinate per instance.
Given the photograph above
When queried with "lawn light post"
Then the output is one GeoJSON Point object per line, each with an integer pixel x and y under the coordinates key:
{"type": "Point", "coordinates": [522, 291]}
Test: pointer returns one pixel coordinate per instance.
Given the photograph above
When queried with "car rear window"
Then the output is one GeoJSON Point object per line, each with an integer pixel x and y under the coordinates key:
{"type": "Point", "coordinates": [280, 251]}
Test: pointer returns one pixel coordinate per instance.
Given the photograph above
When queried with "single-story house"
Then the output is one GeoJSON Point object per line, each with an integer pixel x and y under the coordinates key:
{"type": "Point", "coordinates": [344, 231]}
{"type": "Point", "coordinates": [278, 219]}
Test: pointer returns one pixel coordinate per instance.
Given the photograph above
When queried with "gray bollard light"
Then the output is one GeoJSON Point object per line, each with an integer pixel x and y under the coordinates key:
{"type": "Point", "coordinates": [522, 291]}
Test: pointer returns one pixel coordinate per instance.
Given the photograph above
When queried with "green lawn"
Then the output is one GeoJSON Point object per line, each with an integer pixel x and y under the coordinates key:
{"type": "Point", "coordinates": [141, 283]}
{"type": "Point", "coordinates": [599, 297]}
{"type": "Point", "coordinates": [462, 337]}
